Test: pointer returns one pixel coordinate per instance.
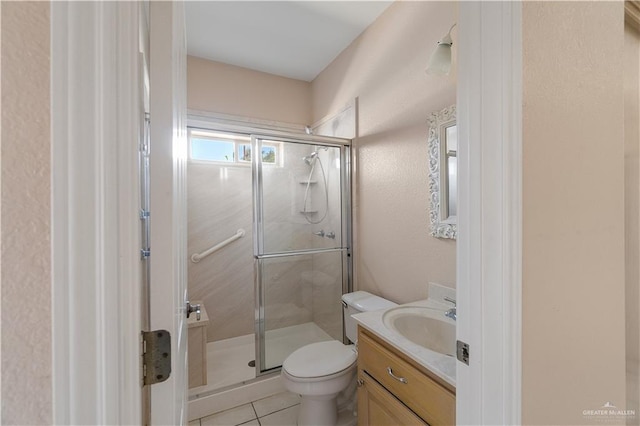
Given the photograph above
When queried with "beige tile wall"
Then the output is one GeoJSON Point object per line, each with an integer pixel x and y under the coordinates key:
{"type": "Point", "coordinates": [220, 203]}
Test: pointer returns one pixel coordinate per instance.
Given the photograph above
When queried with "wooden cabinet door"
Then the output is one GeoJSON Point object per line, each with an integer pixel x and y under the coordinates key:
{"type": "Point", "coordinates": [424, 397]}
{"type": "Point", "coordinates": [377, 407]}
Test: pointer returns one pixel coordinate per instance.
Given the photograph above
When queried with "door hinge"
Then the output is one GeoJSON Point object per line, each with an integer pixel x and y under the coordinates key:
{"type": "Point", "coordinates": [462, 351]}
{"type": "Point", "coordinates": [156, 356]}
{"type": "Point", "coordinates": [145, 253]}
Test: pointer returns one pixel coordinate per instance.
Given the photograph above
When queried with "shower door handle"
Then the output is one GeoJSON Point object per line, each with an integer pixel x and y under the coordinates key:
{"type": "Point", "coordinates": [193, 308]}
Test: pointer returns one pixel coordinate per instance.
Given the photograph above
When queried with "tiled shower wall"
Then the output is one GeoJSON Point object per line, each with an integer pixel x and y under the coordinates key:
{"type": "Point", "coordinates": [220, 202]}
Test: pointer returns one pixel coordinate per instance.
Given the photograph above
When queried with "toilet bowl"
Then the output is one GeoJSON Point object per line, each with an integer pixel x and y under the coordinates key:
{"type": "Point", "coordinates": [319, 372]}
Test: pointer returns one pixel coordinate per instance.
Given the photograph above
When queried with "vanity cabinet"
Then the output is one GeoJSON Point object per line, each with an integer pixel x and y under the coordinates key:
{"type": "Point", "coordinates": [376, 406]}
{"type": "Point", "coordinates": [394, 390]}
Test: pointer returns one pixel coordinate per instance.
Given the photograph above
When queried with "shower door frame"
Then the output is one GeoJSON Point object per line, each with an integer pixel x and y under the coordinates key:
{"type": "Point", "coordinates": [285, 131]}
{"type": "Point", "coordinates": [258, 227]}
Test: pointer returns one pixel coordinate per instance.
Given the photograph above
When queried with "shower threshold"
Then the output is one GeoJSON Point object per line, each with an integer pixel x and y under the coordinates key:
{"type": "Point", "coordinates": [228, 360]}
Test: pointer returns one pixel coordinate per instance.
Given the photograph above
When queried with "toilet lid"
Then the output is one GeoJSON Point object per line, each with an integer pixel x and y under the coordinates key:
{"type": "Point", "coordinates": [320, 359]}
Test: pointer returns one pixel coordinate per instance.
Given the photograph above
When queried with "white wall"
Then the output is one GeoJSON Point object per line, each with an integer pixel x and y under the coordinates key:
{"type": "Point", "coordinates": [217, 87]}
{"type": "Point", "coordinates": [26, 211]}
{"type": "Point", "coordinates": [573, 335]}
{"type": "Point", "coordinates": [384, 68]}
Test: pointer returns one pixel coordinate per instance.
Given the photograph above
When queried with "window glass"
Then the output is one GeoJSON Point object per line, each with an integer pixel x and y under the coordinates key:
{"type": "Point", "coordinates": [212, 150]}
{"type": "Point", "coordinates": [269, 154]}
{"type": "Point", "coordinates": [244, 153]}
{"type": "Point", "coordinates": [228, 148]}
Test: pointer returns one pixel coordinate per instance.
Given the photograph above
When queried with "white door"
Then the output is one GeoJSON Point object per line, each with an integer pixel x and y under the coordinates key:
{"type": "Point", "coordinates": [96, 85]}
{"type": "Point", "coordinates": [167, 295]}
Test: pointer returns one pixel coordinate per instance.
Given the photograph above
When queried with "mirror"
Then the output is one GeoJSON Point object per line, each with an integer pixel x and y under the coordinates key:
{"type": "Point", "coordinates": [443, 165]}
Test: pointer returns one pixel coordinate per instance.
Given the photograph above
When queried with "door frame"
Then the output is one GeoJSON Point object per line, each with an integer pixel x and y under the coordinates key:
{"type": "Point", "coordinates": [96, 324]}
{"type": "Point", "coordinates": [489, 245]}
{"type": "Point", "coordinates": [168, 203]}
{"type": "Point", "coordinates": [95, 212]}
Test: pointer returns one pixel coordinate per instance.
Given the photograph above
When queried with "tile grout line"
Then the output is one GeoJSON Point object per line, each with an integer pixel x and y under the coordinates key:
{"type": "Point", "coordinates": [256, 413]}
{"type": "Point", "coordinates": [249, 421]}
{"type": "Point", "coordinates": [277, 411]}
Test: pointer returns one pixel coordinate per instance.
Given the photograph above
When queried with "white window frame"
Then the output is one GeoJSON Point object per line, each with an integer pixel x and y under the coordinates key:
{"type": "Point", "coordinates": [235, 138]}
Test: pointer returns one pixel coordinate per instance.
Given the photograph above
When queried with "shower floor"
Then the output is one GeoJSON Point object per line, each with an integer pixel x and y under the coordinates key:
{"type": "Point", "coordinates": [228, 360]}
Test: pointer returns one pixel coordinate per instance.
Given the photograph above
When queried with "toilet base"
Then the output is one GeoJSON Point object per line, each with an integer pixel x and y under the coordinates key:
{"type": "Point", "coordinates": [346, 417]}
{"type": "Point", "coordinates": [320, 410]}
{"type": "Point", "coordinates": [325, 412]}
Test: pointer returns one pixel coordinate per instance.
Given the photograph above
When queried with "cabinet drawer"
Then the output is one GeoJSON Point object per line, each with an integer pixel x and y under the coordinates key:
{"type": "Point", "coordinates": [430, 400]}
{"type": "Point", "coordinates": [377, 407]}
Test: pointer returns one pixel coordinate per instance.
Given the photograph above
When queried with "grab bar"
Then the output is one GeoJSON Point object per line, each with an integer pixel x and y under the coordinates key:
{"type": "Point", "coordinates": [197, 257]}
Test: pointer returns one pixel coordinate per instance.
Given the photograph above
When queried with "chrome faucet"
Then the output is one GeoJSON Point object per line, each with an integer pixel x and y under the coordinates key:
{"type": "Point", "coordinates": [451, 312]}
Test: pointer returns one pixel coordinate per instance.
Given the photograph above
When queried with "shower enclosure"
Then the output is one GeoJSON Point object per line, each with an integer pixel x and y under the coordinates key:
{"type": "Point", "coordinates": [301, 245]}
{"type": "Point", "coordinates": [278, 287]}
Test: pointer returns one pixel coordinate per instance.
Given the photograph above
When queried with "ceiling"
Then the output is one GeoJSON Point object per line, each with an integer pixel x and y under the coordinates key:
{"type": "Point", "coordinates": [295, 39]}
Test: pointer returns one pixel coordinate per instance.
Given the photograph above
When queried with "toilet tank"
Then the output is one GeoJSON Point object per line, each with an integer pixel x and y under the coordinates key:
{"type": "Point", "coordinates": [360, 301]}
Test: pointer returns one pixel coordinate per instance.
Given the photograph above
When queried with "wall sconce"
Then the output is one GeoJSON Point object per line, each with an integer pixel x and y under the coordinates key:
{"type": "Point", "coordinates": [440, 61]}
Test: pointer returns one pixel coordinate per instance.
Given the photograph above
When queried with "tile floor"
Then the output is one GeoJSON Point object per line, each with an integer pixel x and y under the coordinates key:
{"type": "Point", "coordinates": [276, 410]}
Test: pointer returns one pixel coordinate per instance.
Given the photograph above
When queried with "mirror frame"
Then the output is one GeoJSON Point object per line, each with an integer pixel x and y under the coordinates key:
{"type": "Point", "coordinates": [438, 122]}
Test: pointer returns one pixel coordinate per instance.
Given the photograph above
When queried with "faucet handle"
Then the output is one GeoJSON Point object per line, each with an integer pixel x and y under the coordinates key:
{"type": "Point", "coordinates": [450, 300]}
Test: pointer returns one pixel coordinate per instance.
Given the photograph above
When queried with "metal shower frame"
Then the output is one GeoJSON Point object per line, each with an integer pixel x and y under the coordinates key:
{"type": "Point", "coordinates": [346, 217]}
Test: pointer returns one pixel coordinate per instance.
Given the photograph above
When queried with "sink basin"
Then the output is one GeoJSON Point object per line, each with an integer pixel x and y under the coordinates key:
{"type": "Point", "coordinates": [427, 327]}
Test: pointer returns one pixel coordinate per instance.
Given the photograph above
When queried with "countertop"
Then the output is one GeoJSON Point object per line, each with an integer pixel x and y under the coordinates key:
{"type": "Point", "coordinates": [443, 366]}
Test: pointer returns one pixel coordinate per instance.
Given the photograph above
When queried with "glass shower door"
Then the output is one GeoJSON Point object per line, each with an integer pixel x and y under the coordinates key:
{"type": "Point", "coordinates": [301, 243]}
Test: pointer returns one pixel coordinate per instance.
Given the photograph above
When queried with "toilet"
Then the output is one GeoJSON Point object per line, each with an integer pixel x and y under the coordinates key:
{"type": "Point", "coordinates": [319, 372]}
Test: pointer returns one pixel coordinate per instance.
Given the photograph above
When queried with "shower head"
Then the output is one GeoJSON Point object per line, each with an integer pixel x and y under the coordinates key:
{"type": "Point", "coordinates": [314, 155]}
{"type": "Point", "coordinates": [309, 158]}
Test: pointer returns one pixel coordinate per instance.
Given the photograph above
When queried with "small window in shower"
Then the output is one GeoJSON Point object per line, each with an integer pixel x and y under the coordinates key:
{"type": "Point", "coordinates": [244, 154]}
{"type": "Point", "coordinates": [268, 154]}
{"type": "Point", "coordinates": [228, 148]}
{"type": "Point", "coordinates": [212, 150]}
